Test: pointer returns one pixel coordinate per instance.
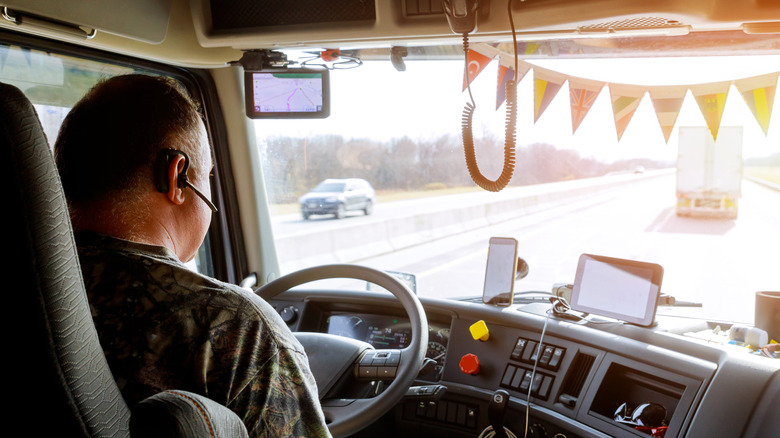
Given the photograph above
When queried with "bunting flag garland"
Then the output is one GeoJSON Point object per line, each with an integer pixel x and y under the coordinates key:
{"type": "Point", "coordinates": [476, 63]}
{"type": "Point", "coordinates": [625, 100]}
{"type": "Point", "coordinates": [582, 94]}
{"type": "Point", "coordinates": [759, 95]}
{"type": "Point", "coordinates": [527, 48]}
{"type": "Point", "coordinates": [546, 86]}
{"type": "Point", "coordinates": [758, 92]}
{"type": "Point", "coordinates": [667, 102]}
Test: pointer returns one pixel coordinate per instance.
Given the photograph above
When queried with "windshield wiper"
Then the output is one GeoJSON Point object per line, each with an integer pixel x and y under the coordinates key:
{"type": "Point", "coordinates": [670, 301]}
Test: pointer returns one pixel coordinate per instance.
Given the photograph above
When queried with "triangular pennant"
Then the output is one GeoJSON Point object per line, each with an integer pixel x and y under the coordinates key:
{"type": "Point", "coordinates": [527, 48]}
{"type": "Point", "coordinates": [505, 74]}
{"type": "Point", "coordinates": [759, 95]}
{"type": "Point", "coordinates": [711, 99]}
{"type": "Point", "coordinates": [582, 95]}
{"type": "Point", "coordinates": [667, 101]}
{"type": "Point", "coordinates": [476, 62]}
{"type": "Point", "coordinates": [546, 86]}
{"type": "Point", "coordinates": [625, 100]}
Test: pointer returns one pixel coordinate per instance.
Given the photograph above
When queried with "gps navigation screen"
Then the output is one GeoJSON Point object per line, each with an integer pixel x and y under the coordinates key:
{"type": "Point", "coordinates": [288, 94]}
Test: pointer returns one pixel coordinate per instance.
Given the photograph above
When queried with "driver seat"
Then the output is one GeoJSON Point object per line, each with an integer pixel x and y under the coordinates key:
{"type": "Point", "coordinates": [60, 382]}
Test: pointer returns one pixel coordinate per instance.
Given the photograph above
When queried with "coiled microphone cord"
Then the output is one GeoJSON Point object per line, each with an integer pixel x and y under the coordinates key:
{"type": "Point", "coordinates": [510, 124]}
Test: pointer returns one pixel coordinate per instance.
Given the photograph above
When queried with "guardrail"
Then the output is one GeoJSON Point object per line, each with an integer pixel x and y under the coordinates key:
{"type": "Point", "coordinates": [763, 182]}
{"type": "Point", "coordinates": [471, 211]}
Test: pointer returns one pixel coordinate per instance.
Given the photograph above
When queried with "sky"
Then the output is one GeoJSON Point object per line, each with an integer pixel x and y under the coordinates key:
{"type": "Point", "coordinates": [426, 101]}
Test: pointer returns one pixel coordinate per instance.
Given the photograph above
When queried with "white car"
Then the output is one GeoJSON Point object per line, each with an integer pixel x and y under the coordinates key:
{"type": "Point", "coordinates": [337, 197]}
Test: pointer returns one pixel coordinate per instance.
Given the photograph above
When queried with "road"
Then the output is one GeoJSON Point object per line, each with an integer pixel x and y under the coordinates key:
{"type": "Point", "coordinates": [720, 263]}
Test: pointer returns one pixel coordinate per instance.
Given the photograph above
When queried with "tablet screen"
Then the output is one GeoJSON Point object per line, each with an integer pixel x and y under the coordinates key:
{"type": "Point", "coordinates": [618, 288]}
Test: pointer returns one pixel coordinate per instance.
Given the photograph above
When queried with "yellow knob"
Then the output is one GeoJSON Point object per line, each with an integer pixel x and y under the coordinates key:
{"type": "Point", "coordinates": [479, 331]}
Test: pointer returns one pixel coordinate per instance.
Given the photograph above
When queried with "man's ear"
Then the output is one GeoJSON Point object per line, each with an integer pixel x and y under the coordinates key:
{"type": "Point", "coordinates": [175, 167]}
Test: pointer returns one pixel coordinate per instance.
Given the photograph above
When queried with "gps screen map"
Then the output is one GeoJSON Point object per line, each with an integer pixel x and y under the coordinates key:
{"type": "Point", "coordinates": [288, 94]}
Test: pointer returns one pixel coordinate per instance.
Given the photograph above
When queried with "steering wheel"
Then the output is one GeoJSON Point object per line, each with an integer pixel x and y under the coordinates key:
{"type": "Point", "coordinates": [332, 357]}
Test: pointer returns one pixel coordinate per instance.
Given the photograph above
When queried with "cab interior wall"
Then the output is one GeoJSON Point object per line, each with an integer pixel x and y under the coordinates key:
{"type": "Point", "coordinates": [719, 392]}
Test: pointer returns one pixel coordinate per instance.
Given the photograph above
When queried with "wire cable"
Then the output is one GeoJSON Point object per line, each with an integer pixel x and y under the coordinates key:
{"type": "Point", "coordinates": [533, 376]}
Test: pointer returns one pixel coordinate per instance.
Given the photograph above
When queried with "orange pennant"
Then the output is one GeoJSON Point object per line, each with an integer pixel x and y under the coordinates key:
{"type": "Point", "coordinates": [476, 62]}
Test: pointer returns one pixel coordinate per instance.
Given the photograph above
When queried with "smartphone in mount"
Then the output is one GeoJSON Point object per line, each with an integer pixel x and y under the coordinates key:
{"type": "Point", "coordinates": [500, 271]}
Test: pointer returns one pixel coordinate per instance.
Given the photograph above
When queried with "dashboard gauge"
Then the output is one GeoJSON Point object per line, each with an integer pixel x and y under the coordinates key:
{"type": "Point", "coordinates": [437, 352]}
{"type": "Point", "coordinates": [349, 326]}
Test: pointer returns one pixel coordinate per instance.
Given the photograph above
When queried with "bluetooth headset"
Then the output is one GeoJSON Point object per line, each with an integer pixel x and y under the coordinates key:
{"type": "Point", "coordinates": [182, 181]}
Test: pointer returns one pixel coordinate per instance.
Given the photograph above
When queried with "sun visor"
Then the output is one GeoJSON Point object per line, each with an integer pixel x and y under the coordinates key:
{"type": "Point", "coordinates": [146, 21]}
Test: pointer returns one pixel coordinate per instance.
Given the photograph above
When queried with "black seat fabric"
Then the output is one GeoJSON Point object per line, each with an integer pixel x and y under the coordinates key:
{"type": "Point", "coordinates": [59, 380]}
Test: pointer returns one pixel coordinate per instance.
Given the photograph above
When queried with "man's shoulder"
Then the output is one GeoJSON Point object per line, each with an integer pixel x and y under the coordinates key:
{"type": "Point", "coordinates": [113, 267]}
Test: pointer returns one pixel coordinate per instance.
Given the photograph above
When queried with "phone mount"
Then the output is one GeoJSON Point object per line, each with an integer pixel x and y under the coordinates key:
{"type": "Point", "coordinates": [522, 269]}
{"type": "Point", "coordinates": [263, 59]}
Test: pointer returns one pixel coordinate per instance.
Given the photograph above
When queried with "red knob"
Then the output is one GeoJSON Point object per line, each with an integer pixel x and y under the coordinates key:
{"type": "Point", "coordinates": [469, 364]}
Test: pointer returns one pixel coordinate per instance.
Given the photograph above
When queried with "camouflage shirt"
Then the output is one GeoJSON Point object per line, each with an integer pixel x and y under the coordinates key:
{"type": "Point", "coordinates": [163, 326]}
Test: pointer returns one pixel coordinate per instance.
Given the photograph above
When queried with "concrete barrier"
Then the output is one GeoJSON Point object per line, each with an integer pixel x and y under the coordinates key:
{"type": "Point", "coordinates": [470, 211]}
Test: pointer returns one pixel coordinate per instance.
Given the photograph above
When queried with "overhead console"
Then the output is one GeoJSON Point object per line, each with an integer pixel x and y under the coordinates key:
{"type": "Point", "coordinates": [247, 24]}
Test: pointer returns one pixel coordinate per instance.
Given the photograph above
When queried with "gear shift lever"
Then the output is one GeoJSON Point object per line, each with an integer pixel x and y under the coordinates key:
{"type": "Point", "coordinates": [497, 412]}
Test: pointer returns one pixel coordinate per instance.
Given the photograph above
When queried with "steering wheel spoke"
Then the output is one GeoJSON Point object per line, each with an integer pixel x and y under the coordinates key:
{"type": "Point", "coordinates": [330, 358]}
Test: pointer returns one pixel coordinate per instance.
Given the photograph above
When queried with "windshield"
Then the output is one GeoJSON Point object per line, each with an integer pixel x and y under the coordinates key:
{"type": "Point", "coordinates": [611, 160]}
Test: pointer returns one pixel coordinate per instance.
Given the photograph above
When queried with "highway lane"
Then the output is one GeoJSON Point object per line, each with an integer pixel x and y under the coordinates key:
{"type": "Point", "coordinates": [720, 263]}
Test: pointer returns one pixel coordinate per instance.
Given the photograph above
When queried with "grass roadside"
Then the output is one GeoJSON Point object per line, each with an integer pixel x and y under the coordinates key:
{"type": "Point", "coordinates": [771, 174]}
{"type": "Point", "coordinates": [384, 196]}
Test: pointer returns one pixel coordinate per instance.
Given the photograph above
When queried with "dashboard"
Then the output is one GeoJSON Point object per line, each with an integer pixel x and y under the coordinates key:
{"type": "Point", "coordinates": [575, 376]}
{"type": "Point", "coordinates": [390, 332]}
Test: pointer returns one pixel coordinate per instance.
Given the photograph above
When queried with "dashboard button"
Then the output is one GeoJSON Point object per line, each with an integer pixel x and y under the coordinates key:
{"type": "Point", "coordinates": [385, 372]}
{"type": "Point", "coordinates": [556, 357]}
{"type": "Point", "coordinates": [546, 355]}
{"type": "Point", "coordinates": [529, 350]}
{"type": "Point", "coordinates": [393, 358]}
{"type": "Point", "coordinates": [537, 382]}
{"type": "Point", "coordinates": [289, 314]}
{"type": "Point", "coordinates": [518, 350]}
{"type": "Point", "coordinates": [544, 389]}
{"type": "Point", "coordinates": [368, 372]}
{"type": "Point", "coordinates": [469, 364]}
{"type": "Point", "coordinates": [526, 381]}
{"type": "Point", "coordinates": [479, 331]}
{"type": "Point", "coordinates": [508, 374]}
{"type": "Point", "coordinates": [518, 378]}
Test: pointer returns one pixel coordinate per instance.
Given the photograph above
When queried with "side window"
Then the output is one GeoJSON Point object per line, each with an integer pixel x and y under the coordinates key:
{"type": "Point", "coordinates": [54, 83]}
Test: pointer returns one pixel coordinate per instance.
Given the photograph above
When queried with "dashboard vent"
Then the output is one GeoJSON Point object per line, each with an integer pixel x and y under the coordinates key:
{"type": "Point", "coordinates": [575, 379]}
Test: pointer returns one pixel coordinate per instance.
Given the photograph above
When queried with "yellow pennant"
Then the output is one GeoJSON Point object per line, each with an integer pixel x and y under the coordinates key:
{"type": "Point", "coordinates": [759, 95]}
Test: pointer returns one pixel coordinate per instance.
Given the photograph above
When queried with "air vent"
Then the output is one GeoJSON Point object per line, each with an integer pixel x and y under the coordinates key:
{"type": "Point", "coordinates": [633, 24]}
{"type": "Point", "coordinates": [575, 379]}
